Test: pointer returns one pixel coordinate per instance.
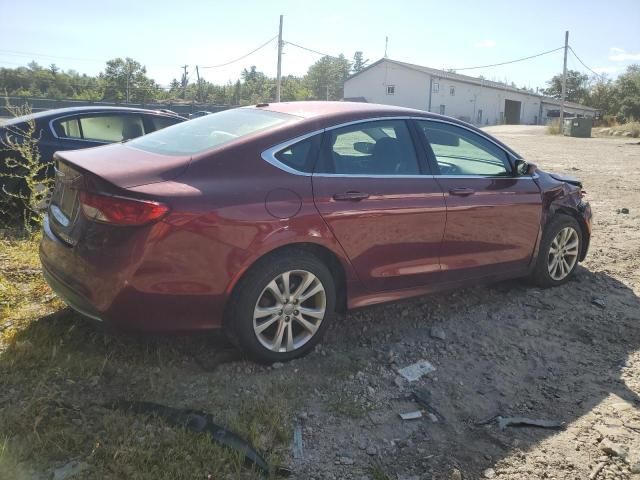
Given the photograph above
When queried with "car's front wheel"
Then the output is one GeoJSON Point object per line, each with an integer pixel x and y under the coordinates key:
{"type": "Point", "coordinates": [559, 252]}
{"type": "Point", "coordinates": [282, 307]}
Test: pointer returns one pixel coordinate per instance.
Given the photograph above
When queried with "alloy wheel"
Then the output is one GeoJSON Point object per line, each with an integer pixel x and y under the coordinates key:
{"type": "Point", "coordinates": [289, 311]}
{"type": "Point", "coordinates": [563, 253]}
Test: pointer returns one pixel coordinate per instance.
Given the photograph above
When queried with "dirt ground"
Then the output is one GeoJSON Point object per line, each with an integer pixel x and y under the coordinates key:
{"type": "Point", "coordinates": [569, 354]}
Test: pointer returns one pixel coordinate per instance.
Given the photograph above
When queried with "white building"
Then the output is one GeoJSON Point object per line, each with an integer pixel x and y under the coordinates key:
{"type": "Point", "coordinates": [471, 99]}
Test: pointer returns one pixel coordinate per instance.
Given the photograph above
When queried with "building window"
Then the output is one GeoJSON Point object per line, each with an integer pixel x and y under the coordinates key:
{"type": "Point", "coordinates": [436, 87]}
{"type": "Point", "coordinates": [391, 89]}
{"type": "Point", "coordinates": [479, 119]}
{"type": "Point", "coordinates": [441, 109]}
{"type": "Point", "coordinates": [452, 91]}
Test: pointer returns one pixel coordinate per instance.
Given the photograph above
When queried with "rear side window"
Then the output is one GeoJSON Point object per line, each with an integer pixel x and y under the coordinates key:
{"type": "Point", "coordinates": [302, 155]}
{"type": "Point", "coordinates": [162, 122]}
{"type": "Point", "coordinates": [382, 147]}
{"type": "Point", "coordinates": [204, 133]}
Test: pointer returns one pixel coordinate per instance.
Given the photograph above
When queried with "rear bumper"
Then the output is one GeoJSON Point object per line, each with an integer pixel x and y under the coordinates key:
{"type": "Point", "coordinates": [127, 284]}
{"type": "Point", "coordinates": [56, 280]}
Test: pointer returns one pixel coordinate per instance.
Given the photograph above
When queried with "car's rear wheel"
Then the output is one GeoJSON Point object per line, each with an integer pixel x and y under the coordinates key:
{"type": "Point", "coordinates": [281, 308]}
{"type": "Point", "coordinates": [559, 252]}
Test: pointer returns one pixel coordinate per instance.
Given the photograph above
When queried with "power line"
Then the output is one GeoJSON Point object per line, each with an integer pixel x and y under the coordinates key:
{"type": "Point", "coordinates": [243, 56]}
{"type": "Point", "coordinates": [310, 50]}
{"type": "Point", "coordinates": [584, 64]}
{"type": "Point", "coordinates": [510, 61]}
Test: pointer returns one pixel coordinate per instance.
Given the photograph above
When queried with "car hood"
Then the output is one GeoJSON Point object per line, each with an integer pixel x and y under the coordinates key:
{"type": "Point", "coordinates": [126, 166]}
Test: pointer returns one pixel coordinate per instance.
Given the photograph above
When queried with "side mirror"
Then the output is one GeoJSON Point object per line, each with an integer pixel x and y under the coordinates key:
{"type": "Point", "coordinates": [524, 168]}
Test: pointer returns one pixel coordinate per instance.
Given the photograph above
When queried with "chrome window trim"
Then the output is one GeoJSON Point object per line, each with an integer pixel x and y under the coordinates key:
{"type": "Point", "coordinates": [269, 155]}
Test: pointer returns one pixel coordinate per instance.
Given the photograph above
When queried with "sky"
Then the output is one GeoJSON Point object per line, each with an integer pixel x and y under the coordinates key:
{"type": "Point", "coordinates": [164, 35]}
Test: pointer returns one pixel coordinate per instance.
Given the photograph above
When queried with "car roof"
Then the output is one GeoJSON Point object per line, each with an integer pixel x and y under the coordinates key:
{"type": "Point", "coordinates": [312, 109]}
{"type": "Point", "coordinates": [56, 112]}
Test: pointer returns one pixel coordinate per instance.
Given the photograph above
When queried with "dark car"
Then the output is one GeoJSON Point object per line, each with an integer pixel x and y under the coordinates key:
{"type": "Point", "coordinates": [83, 127]}
{"type": "Point", "coordinates": [266, 220]}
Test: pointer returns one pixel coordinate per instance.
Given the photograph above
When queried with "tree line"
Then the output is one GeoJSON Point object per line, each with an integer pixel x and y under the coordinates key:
{"type": "Point", "coordinates": [125, 79]}
{"type": "Point", "coordinates": [619, 98]}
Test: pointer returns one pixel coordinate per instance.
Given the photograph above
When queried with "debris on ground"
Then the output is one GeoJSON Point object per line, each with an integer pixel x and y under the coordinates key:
{"type": "Point", "coordinates": [598, 302]}
{"type": "Point", "coordinates": [422, 397]}
{"type": "Point", "coordinates": [624, 211]}
{"type": "Point", "coordinates": [597, 469]}
{"type": "Point", "coordinates": [437, 333]}
{"type": "Point", "coordinates": [298, 448]}
{"type": "Point", "coordinates": [613, 449]}
{"type": "Point", "coordinates": [199, 422]}
{"type": "Point", "coordinates": [504, 422]}
{"type": "Point", "coordinates": [70, 470]}
{"type": "Point", "coordinates": [411, 415]}
{"type": "Point", "coordinates": [415, 371]}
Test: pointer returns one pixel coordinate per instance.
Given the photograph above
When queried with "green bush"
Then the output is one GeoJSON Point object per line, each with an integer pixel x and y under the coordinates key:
{"type": "Point", "coordinates": [24, 182]}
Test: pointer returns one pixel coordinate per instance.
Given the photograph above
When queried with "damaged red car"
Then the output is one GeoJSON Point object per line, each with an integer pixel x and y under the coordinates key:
{"type": "Point", "coordinates": [267, 220]}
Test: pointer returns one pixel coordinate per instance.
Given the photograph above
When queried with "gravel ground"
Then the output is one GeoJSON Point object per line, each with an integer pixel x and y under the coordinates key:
{"type": "Point", "coordinates": [570, 354]}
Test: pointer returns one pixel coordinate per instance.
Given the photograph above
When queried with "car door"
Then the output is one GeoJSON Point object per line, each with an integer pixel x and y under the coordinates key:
{"type": "Point", "coordinates": [493, 215]}
{"type": "Point", "coordinates": [372, 187]}
{"type": "Point", "coordinates": [92, 130]}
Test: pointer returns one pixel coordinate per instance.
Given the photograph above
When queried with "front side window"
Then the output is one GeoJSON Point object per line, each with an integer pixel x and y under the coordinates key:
{"type": "Point", "coordinates": [459, 151]}
{"type": "Point", "coordinates": [111, 128]}
{"type": "Point", "coordinates": [211, 131]}
{"type": "Point", "coordinates": [381, 147]}
{"type": "Point", "coordinates": [162, 122]}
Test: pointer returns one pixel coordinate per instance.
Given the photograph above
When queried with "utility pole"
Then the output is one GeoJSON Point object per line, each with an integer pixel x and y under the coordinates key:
{"type": "Point", "coordinates": [198, 91]}
{"type": "Point", "coordinates": [386, 44]}
{"type": "Point", "coordinates": [128, 74]}
{"type": "Point", "coordinates": [184, 81]}
{"type": "Point", "coordinates": [564, 79]}
{"type": "Point", "coordinates": [279, 78]}
{"type": "Point", "coordinates": [327, 93]}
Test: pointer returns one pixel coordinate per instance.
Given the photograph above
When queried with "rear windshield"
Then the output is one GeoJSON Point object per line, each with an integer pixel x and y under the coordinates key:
{"type": "Point", "coordinates": [205, 133]}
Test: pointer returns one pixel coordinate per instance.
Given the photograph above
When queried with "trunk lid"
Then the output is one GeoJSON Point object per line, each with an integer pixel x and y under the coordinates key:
{"type": "Point", "coordinates": [108, 169]}
{"type": "Point", "coordinates": [125, 166]}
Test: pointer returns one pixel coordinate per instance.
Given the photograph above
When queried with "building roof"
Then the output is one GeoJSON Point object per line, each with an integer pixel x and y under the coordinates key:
{"type": "Point", "coordinates": [471, 80]}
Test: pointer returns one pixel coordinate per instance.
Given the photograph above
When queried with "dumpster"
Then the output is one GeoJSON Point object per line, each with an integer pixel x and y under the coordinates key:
{"type": "Point", "coordinates": [578, 127]}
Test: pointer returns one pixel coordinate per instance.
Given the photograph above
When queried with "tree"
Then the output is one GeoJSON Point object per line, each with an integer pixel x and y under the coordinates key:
{"type": "Point", "coordinates": [577, 87]}
{"type": "Point", "coordinates": [325, 78]}
{"type": "Point", "coordinates": [359, 63]}
{"type": "Point", "coordinates": [601, 95]}
{"type": "Point", "coordinates": [627, 91]}
{"type": "Point", "coordinates": [127, 80]}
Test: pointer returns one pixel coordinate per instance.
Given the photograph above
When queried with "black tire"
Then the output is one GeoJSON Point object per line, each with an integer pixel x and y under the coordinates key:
{"type": "Point", "coordinates": [541, 275]}
{"type": "Point", "coordinates": [239, 318]}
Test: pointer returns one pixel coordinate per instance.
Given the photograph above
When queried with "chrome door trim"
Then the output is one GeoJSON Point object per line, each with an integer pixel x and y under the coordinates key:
{"type": "Point", "coordinates": [269, 155]}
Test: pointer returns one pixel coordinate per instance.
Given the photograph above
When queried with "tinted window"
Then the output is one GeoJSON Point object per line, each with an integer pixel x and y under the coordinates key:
{"type": "Point", "coordinates": [101, 128]}
{"type": "Point", "coordinates": [302, 155]}
{"type": "Point", "coordinates": [373, 148]}
{"type": "Point", "coordinates": [69, 128]}
{"type": "Point", "coordinates": [210, 131]}
{"type": "Point", "coordinates": [459, 151]}
{"type": "Point", "coordinates": [162, 122]}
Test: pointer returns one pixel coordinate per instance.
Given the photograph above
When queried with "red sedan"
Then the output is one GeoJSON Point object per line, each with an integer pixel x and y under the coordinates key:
{"type": "Point", "coordinates": [267, 220]}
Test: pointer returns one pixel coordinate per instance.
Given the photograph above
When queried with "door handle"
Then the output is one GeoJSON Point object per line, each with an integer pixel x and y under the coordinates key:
{"type": "Point", "coordinates": [351, 196]}
{"type": "Point", "coordinates": [462, 192]}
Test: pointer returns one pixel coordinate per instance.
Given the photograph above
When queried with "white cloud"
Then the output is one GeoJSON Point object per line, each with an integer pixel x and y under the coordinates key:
{"type": "Point", "coordinates": [619, 55]}
{"type": "Point", "coordinates": [485, 43]}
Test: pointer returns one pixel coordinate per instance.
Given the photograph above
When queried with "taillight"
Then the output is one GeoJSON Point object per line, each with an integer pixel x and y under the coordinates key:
{"type": "Point", "coordinates": [120, 211]}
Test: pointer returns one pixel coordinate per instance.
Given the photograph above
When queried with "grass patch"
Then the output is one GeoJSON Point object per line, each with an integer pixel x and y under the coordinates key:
{"type": "Point", "coordinates": [629, 129]}
{"type": "Point", "coordinates": [57, 369]}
